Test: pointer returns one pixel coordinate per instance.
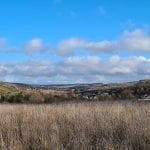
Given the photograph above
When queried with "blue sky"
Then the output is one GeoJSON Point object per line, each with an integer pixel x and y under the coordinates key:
{"type": "Point", "coordinates": [74, 41]}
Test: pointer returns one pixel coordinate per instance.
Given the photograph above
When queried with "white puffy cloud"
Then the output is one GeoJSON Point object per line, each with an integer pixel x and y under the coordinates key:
{"type": "Point", "coordinates": [35, 46]}
{"type": "Point", "coordinates": [77, 70]}
{"type": "Point", "coordinates": [136, 40]}
{"type": "Point", "coordinates": [82, 69]}
{"type": "Point", "coordinates": [67, 46]}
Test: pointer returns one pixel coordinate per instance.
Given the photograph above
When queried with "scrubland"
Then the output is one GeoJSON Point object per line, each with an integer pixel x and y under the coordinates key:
{"type": "Point", "coordinates": [75, 126]}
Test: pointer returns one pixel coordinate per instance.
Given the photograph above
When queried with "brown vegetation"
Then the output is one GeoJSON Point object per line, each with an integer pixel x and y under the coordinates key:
{"type": "Point", "coordinates": [33, 96]}
{"type": "Point", "coordinates": [86, 126]}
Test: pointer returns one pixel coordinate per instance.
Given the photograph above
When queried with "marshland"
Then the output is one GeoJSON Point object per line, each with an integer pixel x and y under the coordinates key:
{"type": "Point", "coordinates": [74, 126]}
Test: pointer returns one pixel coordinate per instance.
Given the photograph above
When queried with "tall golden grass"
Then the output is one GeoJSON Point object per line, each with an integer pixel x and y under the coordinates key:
{"type": "Point", "coordinates": [81, 126]}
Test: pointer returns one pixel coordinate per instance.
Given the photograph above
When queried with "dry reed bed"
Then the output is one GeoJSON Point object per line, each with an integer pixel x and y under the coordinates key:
{"type": "Point", "coordinates": [85, 126]}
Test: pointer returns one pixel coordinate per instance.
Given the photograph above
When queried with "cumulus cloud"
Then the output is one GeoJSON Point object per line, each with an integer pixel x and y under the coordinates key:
{"type": "Point", "coordinates": [113, 66]}
{"type": "Point", "coordinates": [136, 40]}
{"type": "Point", "coordinates": [35, 46]}
{"type": "Point", "coordinates": [78, 69]}
{"type": "Point", "coordinates": [82, 69]}
{"type": "Point", "coordinates": [66, 47]}
{"type": "Point", "coordinates": [130, 41]}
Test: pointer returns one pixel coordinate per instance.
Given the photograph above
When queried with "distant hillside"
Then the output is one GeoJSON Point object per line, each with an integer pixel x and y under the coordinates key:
{"type": "Point", "coordinates": [122, 91]}
{"type": "Point", "coordinates": [8, 87]}
{"type": "Point", "coordinates": [26, 93]}
{"type": "Point", "coordinates": [56, 86]}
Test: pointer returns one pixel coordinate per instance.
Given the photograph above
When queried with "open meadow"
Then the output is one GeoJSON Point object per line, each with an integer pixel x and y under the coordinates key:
{"type": "Point", "coordinates": [75, 126]}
